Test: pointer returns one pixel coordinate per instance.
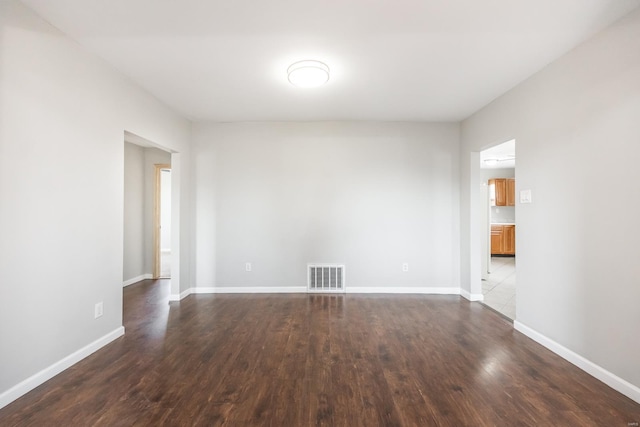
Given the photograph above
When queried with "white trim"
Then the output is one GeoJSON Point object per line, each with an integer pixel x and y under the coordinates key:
{"type": "Point", "coordinates": [181, 296]}
{"type": "Point", "coordinates": [259, 290]}
{"type": "Point", "coordinates": [137, 279]}
{"type": "Point", "coordinates": [51, 371]}
{"type": "Point", "coordinates": [441, 290]}
{"type": "Point", "coordinates": [403, 290]}
{"type": "Point", "coordinates": [610, 379]}
{"type": "Point", "coordinates": [471, 297]}
{"type": "Point", "coordinates": [248, 290]}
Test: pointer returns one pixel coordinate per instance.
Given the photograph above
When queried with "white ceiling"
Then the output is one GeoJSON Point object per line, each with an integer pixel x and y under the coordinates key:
{"type": "Point", "coordinates": [500, 156]}
{"type": "Point", "coordinates": [398, 60]}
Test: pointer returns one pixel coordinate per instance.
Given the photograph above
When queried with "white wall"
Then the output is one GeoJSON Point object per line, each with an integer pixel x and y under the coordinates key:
{"type": "Point", "coordinates": [370, 195]}
{"type": "Point", "coordinates": [63, 114]}
{"type": "Point", "coordinates": [503, 214]}
{"type": "Point", "coordinates": [165, 210]}
{"type": "Point", "coordinates": [487, 174]}
{"type": "Point", "coordinates": [134, 217]}
{"type": "Point", "coordinates": [576, 125]}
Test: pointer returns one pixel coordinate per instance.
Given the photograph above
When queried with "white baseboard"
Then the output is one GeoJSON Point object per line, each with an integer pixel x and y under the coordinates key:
{"type": "Point", "coordinates": [402, 290]}
{"type": "Point", "coordinates": [237, 290]}
{"type": "Point", "coordinates": [181, 296]}
{"type": "Point", "coordinates": [137, 279]}
{"type": "Point", "coordinates": [255, 290]}
{"type": "Point", "coordinates": [471, 297]}
{"type": "Point", "coordinates": [303, 289]}
{"type": "Point", "coordinates": [248, 289]}
{"type": "Point", "coordinates": [610, 379]}
{"type": "Point", "coordinates": [46, 374]}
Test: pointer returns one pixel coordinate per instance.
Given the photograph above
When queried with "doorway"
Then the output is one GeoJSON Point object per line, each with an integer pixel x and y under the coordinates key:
{"type": "Point", "coordinates": [498, 216]}
{"type": "Point", "coordinates": [162, 222]}
{"type": "Point", "coordinates": [151, 212]}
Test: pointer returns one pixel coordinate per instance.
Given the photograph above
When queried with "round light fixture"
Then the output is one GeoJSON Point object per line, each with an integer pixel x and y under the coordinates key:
{"type": "Point", "coordinates": [308, 73]}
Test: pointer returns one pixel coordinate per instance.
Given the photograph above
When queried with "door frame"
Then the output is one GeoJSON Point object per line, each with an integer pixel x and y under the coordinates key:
{"type": "Point", "coordinates": [479, 221]}
{"type": "Point", "coordinates": [157, 208]}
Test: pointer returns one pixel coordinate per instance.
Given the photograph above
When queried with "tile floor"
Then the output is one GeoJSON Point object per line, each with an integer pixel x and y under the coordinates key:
{"type": "Point", "coordinates": [500, 290]}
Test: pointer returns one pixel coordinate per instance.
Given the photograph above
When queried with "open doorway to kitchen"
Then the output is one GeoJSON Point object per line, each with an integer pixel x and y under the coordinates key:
{"type": "Point", "coordinates": [498, 232]}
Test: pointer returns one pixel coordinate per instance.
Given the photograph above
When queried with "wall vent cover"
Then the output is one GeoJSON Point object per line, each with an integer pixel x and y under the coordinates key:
{"type": "Point", "coordinates": [325, 278]}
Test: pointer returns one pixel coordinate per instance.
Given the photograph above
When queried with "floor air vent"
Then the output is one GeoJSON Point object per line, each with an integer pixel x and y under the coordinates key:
{"type": "Point", "coordinates": [325, 278]}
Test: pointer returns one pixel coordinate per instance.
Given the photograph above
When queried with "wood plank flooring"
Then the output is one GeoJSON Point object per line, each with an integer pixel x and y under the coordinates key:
{"type": "Point", "coordinates": [318, 360]}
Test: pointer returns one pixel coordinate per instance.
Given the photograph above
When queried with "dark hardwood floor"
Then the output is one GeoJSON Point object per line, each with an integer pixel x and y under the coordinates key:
{"type": "Point", "coordinates": [305, 360]}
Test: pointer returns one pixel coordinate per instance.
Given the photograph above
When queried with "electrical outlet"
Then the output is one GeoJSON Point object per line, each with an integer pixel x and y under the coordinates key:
{"type": "Point", "coordinates": [98, 310]}
{"type": "Point", "coordinates": [405, 266]}
{"type": "Point", "coordinates": [247, 266]}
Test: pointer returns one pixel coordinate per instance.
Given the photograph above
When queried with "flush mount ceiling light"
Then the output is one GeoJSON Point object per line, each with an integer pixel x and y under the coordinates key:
{"type": "Point", "coordinates": [308, 73]}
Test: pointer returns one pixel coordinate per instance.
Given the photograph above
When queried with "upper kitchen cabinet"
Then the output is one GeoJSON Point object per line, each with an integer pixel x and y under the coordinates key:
{"type": "Point", "coordinates": [511, 192]}
{"type": "Point", "coordinates": [502, 192]}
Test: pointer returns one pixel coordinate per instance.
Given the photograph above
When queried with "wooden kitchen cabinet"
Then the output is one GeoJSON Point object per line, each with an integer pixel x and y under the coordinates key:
{"type": "Point", "coordinates": [503, 239]}
{"type": "Point", "coordinates": [511, 192]}
{"type": "Point", "coordinates": [499, 192]}
{"type": "Point", "coordinates": [509, 239]}
{"type": "Point", "coordinates": [504, 192]}
{"type": "Point", "coordinates": [496, 240]}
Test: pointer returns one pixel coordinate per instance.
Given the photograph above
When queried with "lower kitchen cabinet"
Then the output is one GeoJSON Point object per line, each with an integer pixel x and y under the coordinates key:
{"type": "Point", "coordinates": [503, 239]}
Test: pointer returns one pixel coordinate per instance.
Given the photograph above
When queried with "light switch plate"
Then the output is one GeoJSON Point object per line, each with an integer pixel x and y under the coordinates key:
{"type": "Point", "coordinates": [525, 196]}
